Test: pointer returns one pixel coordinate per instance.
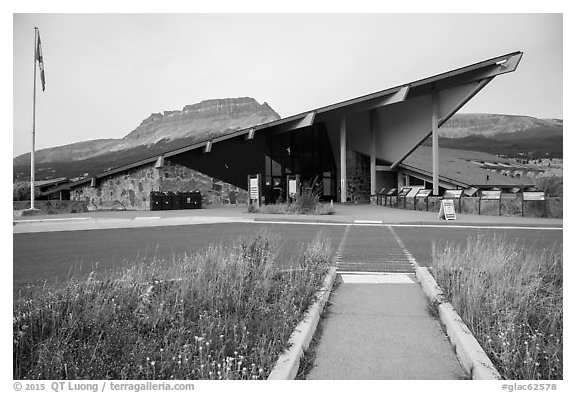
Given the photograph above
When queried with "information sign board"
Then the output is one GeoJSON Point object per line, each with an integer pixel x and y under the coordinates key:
{"type": "Point", "coordinates": [404, 191]}
{"type": "Point", "coordinates": [491, 194]}
{"type": "Point", "coordinates": [292, 187]}
{"type": "Point", "coordinates": [447, 211]}
{"type": "Point", "coordinates": [392, 192]}
{"type": "Point", "coordinates": [533, 196]}
{"type": "Point", "coordinates": [423, 193]}
{"type": "Point", "coordinates": [452, 194]}
{"type": "Point", "coordinates": [254, 188]}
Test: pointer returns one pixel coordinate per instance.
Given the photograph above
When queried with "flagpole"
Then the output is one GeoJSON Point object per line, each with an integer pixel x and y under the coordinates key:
{"type": "Point", "coordinates": [33, 123]}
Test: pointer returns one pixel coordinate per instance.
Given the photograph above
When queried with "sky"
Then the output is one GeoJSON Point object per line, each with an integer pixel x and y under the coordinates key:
{"type": "Point", "coordinates": [105, 73]}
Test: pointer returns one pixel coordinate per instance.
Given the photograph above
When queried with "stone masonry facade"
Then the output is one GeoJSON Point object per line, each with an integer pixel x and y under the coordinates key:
{"type": "Point", "coordinates": [357, 177]}
{"type": "Point", "coordinates": [130, 190]}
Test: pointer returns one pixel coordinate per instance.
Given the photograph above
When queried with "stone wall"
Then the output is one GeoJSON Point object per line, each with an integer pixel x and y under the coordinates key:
{"type": "Point", "coordinates": [176, 178]}
{"type": "Point", "coordinates": [130, 190]}
{"type": "Point", "coordinates": [357, 177]}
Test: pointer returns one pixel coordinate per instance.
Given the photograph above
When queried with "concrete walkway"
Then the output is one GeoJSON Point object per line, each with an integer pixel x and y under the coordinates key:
{"type": "Point", "coordinates": [378, 323]}
{"type": "Point", "coordinates": [382, 331]}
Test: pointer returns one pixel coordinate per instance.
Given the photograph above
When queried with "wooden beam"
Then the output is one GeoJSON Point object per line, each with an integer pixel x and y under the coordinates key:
{"type": "Point", "coordinates": [208, 147]}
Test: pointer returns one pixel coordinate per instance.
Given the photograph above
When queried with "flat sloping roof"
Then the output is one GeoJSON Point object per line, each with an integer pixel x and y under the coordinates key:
{"type": "Point", "coordinates": [459, 171]}
{"type": "Point", "coordinates": [431, 81]}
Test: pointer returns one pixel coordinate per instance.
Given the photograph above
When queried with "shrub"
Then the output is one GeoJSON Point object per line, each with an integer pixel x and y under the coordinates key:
{"type": "Point", "coordinates": [552, 186]}
{"type": "Point", "coordinates": [225, 313]}
{"type": "Point", "coordinates": [309, 198]}
{"type": "Point", "coordinates": [511, 299]}
{"type": "Point", "coordinates": [308, 202]}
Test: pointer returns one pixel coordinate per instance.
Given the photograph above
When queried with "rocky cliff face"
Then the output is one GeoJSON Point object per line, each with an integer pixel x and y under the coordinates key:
{"type": "Point", "coordinates": [205, 119]}
{"type": "Point", "coordinates": [197, 121]}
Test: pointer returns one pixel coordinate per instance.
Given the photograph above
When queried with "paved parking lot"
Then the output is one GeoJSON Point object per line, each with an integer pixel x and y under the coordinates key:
{"type": "Point", "coordinates": [55, 256]}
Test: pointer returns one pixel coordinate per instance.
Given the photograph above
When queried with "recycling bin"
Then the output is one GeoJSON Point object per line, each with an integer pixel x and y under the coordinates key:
{"type": "Point", "coordinates": [176, 200]}
{"type": "Point", "coordinates": [192, 200]}
{"type": "Point", "coordinates": [155, 200]}
{"type": "Point", "coordinates": [166, 201]}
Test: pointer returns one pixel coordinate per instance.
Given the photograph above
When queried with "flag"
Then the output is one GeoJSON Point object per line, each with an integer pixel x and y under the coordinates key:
{"type": "Point", "coordinates": [40, 60]}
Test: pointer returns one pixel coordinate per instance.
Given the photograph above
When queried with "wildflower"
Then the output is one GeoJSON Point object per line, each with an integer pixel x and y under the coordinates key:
{"type": "Point", "coordinates": [152, 363]}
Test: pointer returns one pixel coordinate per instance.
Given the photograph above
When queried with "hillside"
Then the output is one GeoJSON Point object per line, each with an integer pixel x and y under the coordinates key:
{"type": "Point", "coordinates": [511, 136]}
{"type": "Point", "coordinates": [465, 124]}
{"type": "Point", "coordinates": [158, 133]}
{"type": "Point", "coordinates": [506, 135]}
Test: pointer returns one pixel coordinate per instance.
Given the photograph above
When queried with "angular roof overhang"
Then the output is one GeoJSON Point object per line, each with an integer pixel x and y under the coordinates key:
{"type": "Point", "coordinates": [477, 75]}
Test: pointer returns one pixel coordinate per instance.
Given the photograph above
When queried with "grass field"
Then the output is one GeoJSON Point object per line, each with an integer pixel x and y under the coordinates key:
{"type": "Point", "coordinates": [511, 299]}
{"type": "Point", "coordinates": [55, 256]}
{"type": "Point", "coordinates": [224, 313]}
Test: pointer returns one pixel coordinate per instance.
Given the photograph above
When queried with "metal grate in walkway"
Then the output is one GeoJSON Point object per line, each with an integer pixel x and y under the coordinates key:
{"type": "Point", "coordinates": [372, 249]}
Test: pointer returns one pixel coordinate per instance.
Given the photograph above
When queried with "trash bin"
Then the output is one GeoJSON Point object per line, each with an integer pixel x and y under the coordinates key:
{"type": "Point", "coordinates": [192, 200]}
{"type": "Point", "coordinates": [166, 201]}
{"type": "Point", "coordinates": [176, 200]}
{"type": "Point", "coordinates": [155, 200]}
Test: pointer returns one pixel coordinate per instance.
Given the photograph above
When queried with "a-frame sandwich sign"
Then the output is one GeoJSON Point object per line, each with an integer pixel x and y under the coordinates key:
{"type": "Point", "coordinates": [447, 211]}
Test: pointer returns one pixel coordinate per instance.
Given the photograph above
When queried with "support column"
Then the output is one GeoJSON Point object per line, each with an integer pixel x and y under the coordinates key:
{"type": "Point", "coordinates": [435, 142]}
{"type": "Point", "coordinates": [343, 185]}
{"type": "Point", "coordinates": [372, 153]}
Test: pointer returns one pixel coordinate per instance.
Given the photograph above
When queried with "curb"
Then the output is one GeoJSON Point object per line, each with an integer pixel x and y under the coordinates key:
{"type": "Point", "coordinates": [40, 220]}
{"type": "Point", "coordinates": [287, 365]}
{"type": "Point", "coordinates": [469, 352]}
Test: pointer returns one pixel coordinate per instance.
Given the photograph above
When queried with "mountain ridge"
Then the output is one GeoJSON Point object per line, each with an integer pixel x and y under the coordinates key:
{"type": "Point", "coordinates": [508, 135]}
{"type": "Point", "coordinates": [204, 119]}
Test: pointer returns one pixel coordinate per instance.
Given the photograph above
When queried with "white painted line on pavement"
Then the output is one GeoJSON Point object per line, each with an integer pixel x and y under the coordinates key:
{"type": "Point", "coordinates": [404, 225]}
{"type": "Point", "coordinates": [375, 273]}
{"type": "Point", "coordinates": [301, 223]}
{"type": "Point", "coordinates": [376, 279]}
{"type": "Point", "coordinates": [472, 227]}
{"type": "Point", "coordinates": [367, 221]}
{"type": "Point", "coordinates": [407, 253]}
{"type": "Point", "coordinates": [55, 219]}
{"type": "Point", "coordinates": [147, 218]}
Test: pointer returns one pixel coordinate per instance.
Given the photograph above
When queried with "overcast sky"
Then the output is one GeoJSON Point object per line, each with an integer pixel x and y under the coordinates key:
{"type": "Point", "coordinates": [105, 73]}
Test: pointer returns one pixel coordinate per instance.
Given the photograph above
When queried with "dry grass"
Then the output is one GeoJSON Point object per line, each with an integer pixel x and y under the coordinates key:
{"type": "Point", "coordinates": [511, 299]}
{"type": "Point", "coordinates": [225, 313]}
{"type": "Point", "coordinates": [292, 208]}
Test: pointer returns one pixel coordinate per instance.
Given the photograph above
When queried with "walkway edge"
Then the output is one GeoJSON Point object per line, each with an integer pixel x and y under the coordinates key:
{"type": "Point", "coordinates": [287, 365]}
{"type": "Point", "coordinates": [468, 350]}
